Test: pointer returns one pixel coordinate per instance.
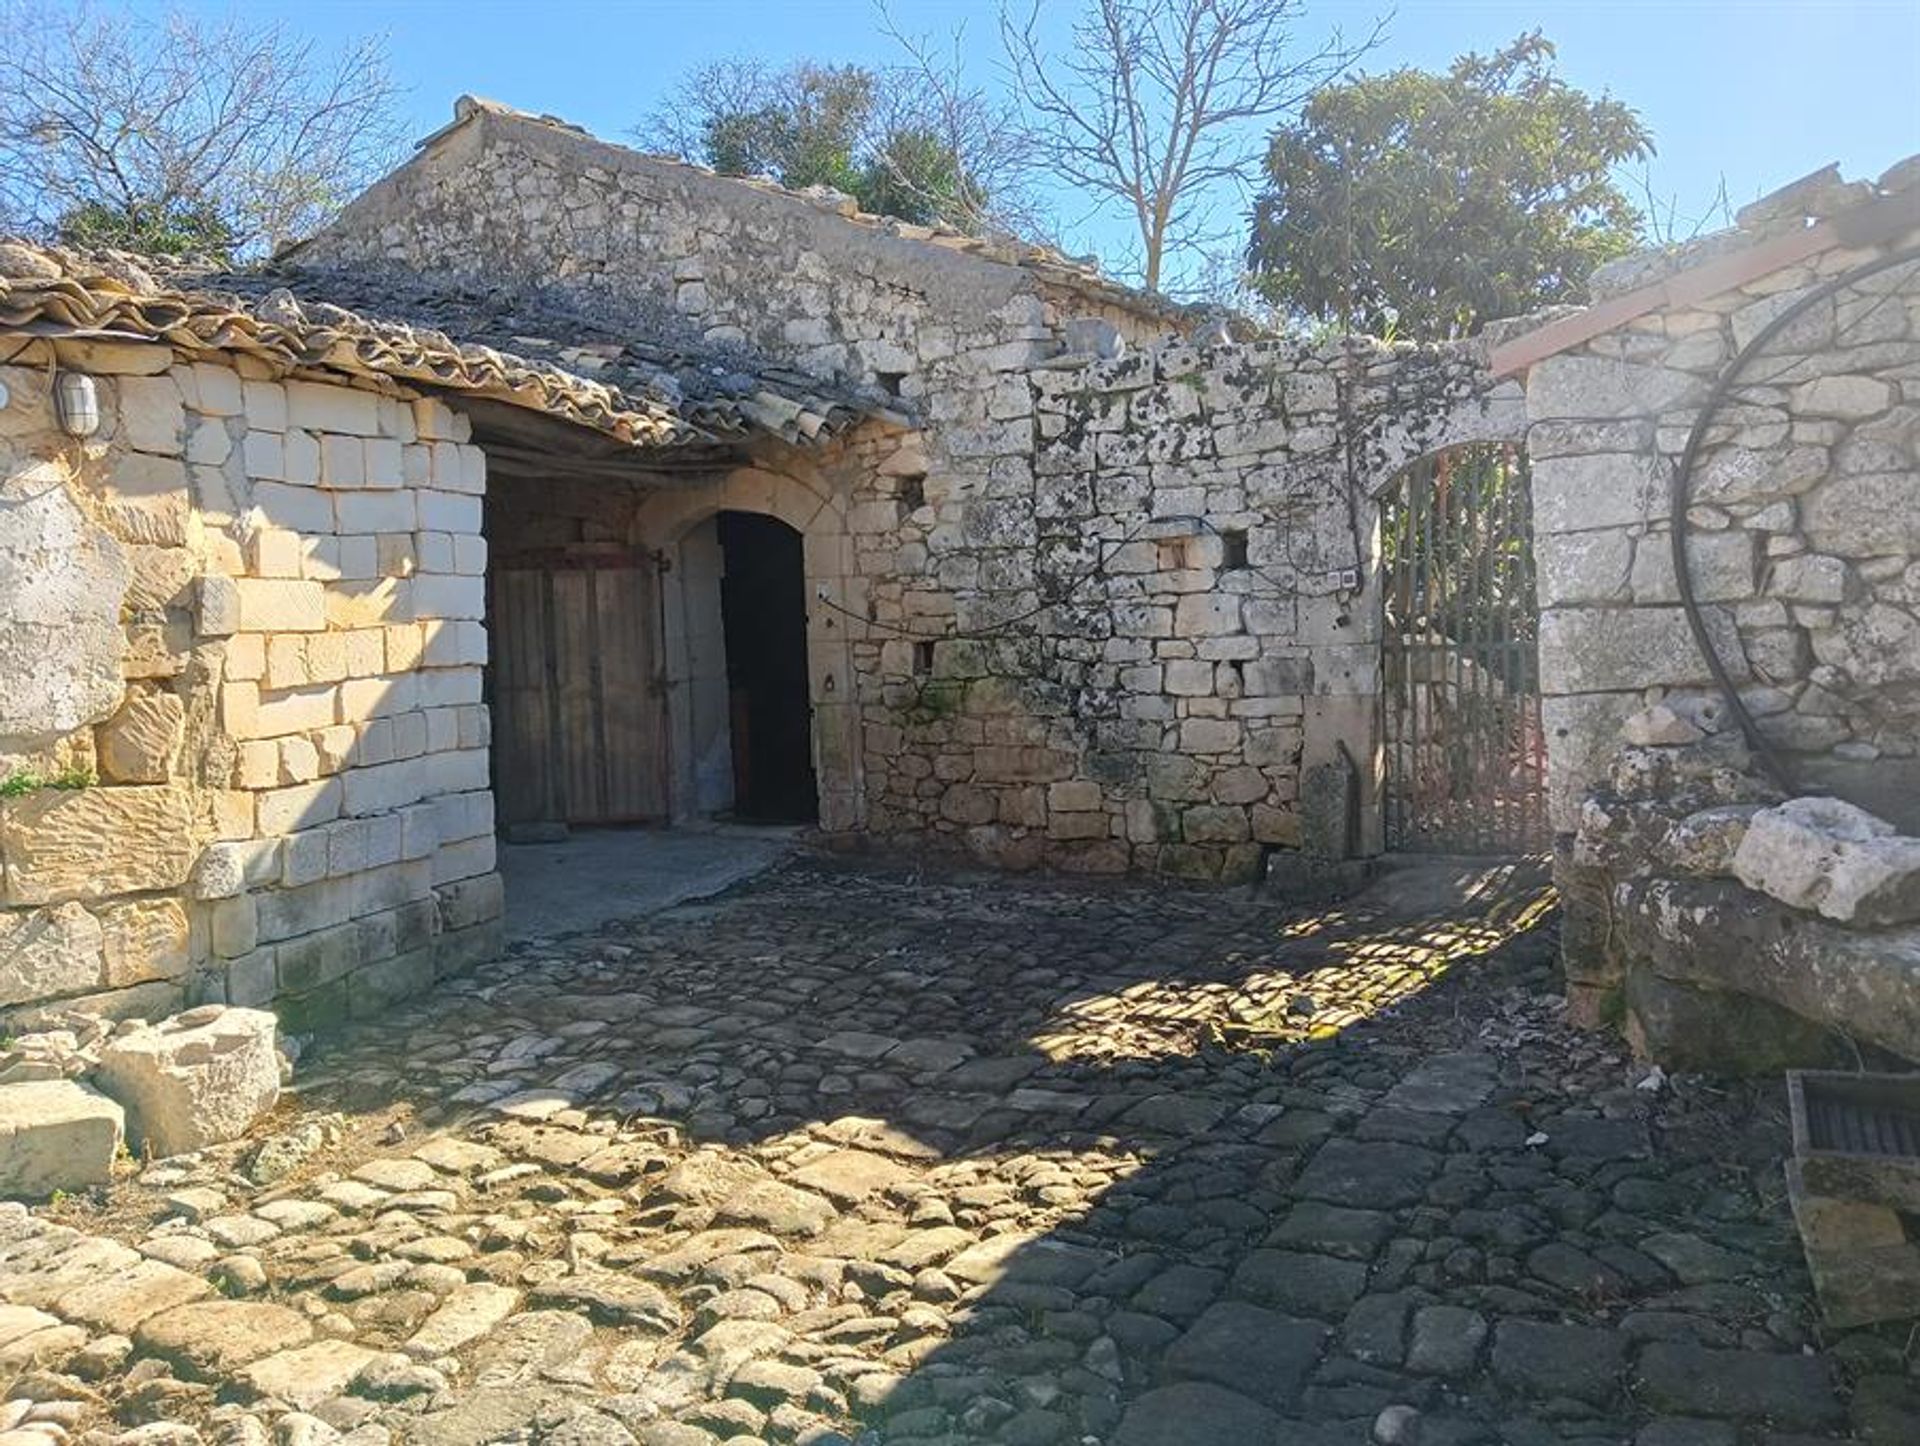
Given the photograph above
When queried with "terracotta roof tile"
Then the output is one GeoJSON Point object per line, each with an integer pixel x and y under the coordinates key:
{"type": "Point", "coordinates": [638, 391]}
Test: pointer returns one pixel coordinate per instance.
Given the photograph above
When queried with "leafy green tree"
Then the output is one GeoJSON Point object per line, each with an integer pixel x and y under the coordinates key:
{"type": "Point", "coordinates": [803, 127]}
{"type": "Point", "coordinates": [910, 140]}
{"type": "Point", "coordinates": [179, 228]}
{"type": "Point", "coordinates": [916, 175]}
{"type": "Point", "coordinates": [1424, 205]}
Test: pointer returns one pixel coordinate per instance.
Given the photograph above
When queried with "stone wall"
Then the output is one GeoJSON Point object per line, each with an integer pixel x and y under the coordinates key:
{"type": "Point", "coordinates": [1803, 548]}
{"type": "Point", "coordinates": [243, 754]}
{"type": "Point", "coordinates": [1110, 623]}
{"type": "Point", "coordinates": [668, 249]}
{"type": "Point", "coordinates": [1101, 608]}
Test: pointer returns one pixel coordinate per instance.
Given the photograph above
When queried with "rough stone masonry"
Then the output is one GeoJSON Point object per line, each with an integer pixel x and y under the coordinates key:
{"type": "Point", "coordinates": [1097, 607]}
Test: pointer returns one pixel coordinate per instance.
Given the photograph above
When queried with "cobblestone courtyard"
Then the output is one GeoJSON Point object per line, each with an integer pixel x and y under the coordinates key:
{"type": "Point", "coordinates": [859, 1152]}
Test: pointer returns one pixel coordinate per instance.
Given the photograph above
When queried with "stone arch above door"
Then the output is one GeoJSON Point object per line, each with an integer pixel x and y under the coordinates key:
{"type": "Point", "coordinates": [669, 522]}
{"type": "Point", "coordinates": [803, 504]}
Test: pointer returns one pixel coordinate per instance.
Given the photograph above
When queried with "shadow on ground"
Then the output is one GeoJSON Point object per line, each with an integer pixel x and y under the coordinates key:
{"type": "Point", "coordinates": [858, 1151]}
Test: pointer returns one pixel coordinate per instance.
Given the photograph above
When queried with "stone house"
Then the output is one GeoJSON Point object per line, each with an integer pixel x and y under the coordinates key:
{"type": "Point", "coordinates": [1076, 594]}
{"type": "Point", "coordinates": [244, 749]}
{"type": "Point", "coordinates": [555, 484]}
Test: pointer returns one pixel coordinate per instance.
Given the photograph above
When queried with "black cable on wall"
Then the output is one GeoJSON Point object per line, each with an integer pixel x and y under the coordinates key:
{"type": "Point", "coordinates": [1682, 487]}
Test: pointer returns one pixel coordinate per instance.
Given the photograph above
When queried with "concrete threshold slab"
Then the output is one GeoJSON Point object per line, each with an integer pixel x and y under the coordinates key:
{"type": "Point", "coordinates": [598, 876]}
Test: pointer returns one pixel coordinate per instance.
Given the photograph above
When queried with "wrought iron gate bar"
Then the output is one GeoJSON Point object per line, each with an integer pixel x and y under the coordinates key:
{"type": "Point", "coordinates": [1460, 694]}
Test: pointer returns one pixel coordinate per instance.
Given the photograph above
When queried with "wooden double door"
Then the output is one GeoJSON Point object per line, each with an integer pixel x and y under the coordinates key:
{"type": "Point", "coordinates": [576, 693]}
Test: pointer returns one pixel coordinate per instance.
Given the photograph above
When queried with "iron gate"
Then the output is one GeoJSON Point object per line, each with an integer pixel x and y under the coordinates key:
{"type": "Point", "coordinates": [1465, 754]}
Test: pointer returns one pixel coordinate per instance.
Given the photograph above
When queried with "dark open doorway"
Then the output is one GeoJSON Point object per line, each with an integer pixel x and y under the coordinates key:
{"type": "Point", "coordinates": [763, 607]}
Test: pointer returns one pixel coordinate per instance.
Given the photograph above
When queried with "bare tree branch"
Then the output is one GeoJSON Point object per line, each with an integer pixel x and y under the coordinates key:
{"type": "Point", "coordinates": [1156, 105]}
{"type": "Point", "coordinates": [234, 135]}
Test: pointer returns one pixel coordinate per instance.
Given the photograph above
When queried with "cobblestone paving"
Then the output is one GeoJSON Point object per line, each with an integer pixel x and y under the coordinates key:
{"type": "Point", "coordinates": [862, 1153]}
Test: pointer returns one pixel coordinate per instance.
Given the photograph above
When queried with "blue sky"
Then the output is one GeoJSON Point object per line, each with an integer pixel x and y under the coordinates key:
{"type": "Point", "coordinates": [1752, 92]}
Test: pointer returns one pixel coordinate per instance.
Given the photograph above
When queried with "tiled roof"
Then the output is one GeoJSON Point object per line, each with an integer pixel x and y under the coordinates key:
{"type": "Point", "coordinates": [639, 392]}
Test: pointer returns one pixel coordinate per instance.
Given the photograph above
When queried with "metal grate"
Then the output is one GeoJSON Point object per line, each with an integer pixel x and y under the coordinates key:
{"type": "Point", "coordinates": [1465, 751]}
{"type": "Point", "coordinates": [1859, 1125]}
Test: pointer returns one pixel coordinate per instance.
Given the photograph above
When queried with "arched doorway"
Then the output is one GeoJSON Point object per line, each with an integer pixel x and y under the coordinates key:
{"type": "Point", "coordinates": [817, 607]}
{"type": "Point", "coordinates": [763, 613]}
{"type": "Point", "coordinates": [1465, 749]}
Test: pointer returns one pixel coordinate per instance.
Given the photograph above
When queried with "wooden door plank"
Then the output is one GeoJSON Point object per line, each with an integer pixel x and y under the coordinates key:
{"type": "Point", "coordinates": [522, 777]}
{"type": "Point", "coordinates": [575, 739]}
{"type": "Point", "coordinates": [630, 712]}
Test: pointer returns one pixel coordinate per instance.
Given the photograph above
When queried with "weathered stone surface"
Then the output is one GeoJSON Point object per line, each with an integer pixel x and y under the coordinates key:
{"type": "Point", "coordinates": [56, 1134]}
{"type": "Point", "coordinates": [306, 1375]}
{"type": "Point", "coordinates": [195, 1080]}
{"type": "Point", "coordinates": [1322, 1286]}
{"type": "Point", "coordinates": [93, 843]}
{"type": "Point", "coordinates": [769, 1205]}
{"type": "Point", "coordinates": [1584, 567]}
{"type": "Point", "coordinates": [1785, 1390]}
{"type": "Point", "coordinates": [849, 1176]}
{"type": "Point", "coordinates": [463, 1317]}
{"type": "Point", "coordinates": [1829, 856]}
{"type": "Point", "coordinates": [217, 1337]}
{"type": "Point", "coordinates": [61, 582]}
{"type": "Point", "coordinates": [1356, 1173]}
{"type": "Point", "coordinates": [1695, 1028]}
{"type": "Point", "coordinates": [49, 953]}
{"type": "Point", "coordinates": [611, 1298]}
{"type": "Point", "coordinates": [1659, 726]}
{"type": "Point", "coordinates": [138, 743]}
{"type": "Point", "coordinates": [1600, 387]}
{"type": "Point", "coordinates": [120, 1300]}
{"type": "Point", "coordinates": [1597, 650]}
{"type": "Point", "coordinates": [1028, 1259]}
{"type": "Point", "coordinates": [1705, 843]}
{"type": "Point", "coordinates": [1191, 1411]}
{"type": "Point", "coordinates": [1559, 1360]}
{"type": "Point", "coordinates": [144, 940]}
{"type": "Point", "coordinates": [1446, 1340]}
{"type": "Point", "coordinates": [1250, 1349]}
{"type": "Point", "coordinates": [1447, 1084]}
{"type": "Point", "coordinates": [1864, 1268]}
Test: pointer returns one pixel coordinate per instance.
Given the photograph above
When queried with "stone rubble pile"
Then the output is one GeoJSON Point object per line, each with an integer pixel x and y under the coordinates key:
{"type": "Point", "coordinates": [1731, 929]}
{"type": "Point", "coordinates": [72, 1098]}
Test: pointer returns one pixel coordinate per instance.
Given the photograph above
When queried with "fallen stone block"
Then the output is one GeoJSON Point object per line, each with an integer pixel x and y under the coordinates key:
{"type": "Point", "coordinates": [1864, 1268]}
{"type": "Point", "coordinates": [1704, 843]}
{"type": "Point", "coordinates": [1716, 935]}
{"type": "Point", "coordinates": [195, 1080]}
{"type": "Point", "coordinates": [1830, 857]}
{"type": "Point", "coordinates": [56, 1134]}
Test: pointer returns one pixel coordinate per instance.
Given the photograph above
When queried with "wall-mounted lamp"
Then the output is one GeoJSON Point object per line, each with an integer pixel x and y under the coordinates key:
{"type": "Point", "coordinates": [77, 404]}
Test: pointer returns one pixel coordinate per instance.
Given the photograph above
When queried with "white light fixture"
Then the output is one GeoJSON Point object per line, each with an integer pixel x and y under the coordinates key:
{"type": "Point", "coordinates": [77, 404]}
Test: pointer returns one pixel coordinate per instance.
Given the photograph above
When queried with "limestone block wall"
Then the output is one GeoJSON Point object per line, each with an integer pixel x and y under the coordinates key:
{"type": "Point", "coordinates": [1103, 613]}
{"type": "Point", "coordinates": [1804, 546]}
{"type": "Point", "coordinates": [246, 756]}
